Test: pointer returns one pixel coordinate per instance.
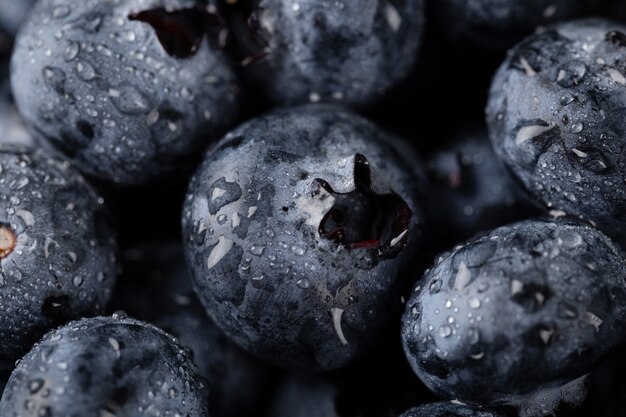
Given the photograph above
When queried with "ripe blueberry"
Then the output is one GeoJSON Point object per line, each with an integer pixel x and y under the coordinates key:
{"type": "Point", "coordinates": [518, 317]}
{"type": "Point", "coordinates": [324, 50]}
{"type": "Point", "coordinates": [56, 249]}
{"type": "Point", "coordinates": [298, 228]}
{"type": "Point", "coordinates": [106, 366]}
{"type": "Point", "coordinates": [555, 117]}
{"type": "Point", "coordinates": [129, 90]}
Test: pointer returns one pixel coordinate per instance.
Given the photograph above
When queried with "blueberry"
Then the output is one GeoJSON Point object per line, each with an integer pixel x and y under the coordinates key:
{"type": "Point", "coordinates": [298, 228]}
{"type": "Point", "coordinates": [157, 272]}
{"type": "Point", "coordinates": [56, 249]}
{"type": "Point", "coordinates": [495, 25]}
{"type": "Point", "coordinates": [555, 118]}
{"type": "Point", "coordinates": [471, 192]}
{"type": "Point", "coordinates": [129, 91]}
{"type": "Point", "coordinates": [106, 366]}
{"type": "Point", "coordinates": [448, 409]}
{"type": "Point", "coordinates": [518, 317]}
{"type": "Point", "coordinates": [325, 50]}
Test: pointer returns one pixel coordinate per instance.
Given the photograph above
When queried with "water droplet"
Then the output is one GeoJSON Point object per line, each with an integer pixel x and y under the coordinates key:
{"type": "Point", "coordinates": [85, 71]}
{"type": "Point", "coordinates": [303, 283]}
{"type": "Point", "coordinates": [571, 74]}
{"type": "Point", "coordinates": [298, 250]}
{"type": "Point", "coordinates": [435, 286]}
{"type": "Point", "coordinates": [71, 50]}
{"type": "Point", "coordinates": [61, 11]}
{"type": "Point", "coordinates": [473, 302]}
{"type": "Point", "coordinates": [35, 385]}
{"type": "Point", "coordinates": [55, 78]}
{"type": "Point", "coordinates": [129, 100]}
{"type": "Point", "coordinates": [445, 331]}
{"type": "Point", "coordinates": [77, 281]}
{"type": "Point", "coordinates": [577, 127]}
{"type": "Point", "coordinates": [257, 250]}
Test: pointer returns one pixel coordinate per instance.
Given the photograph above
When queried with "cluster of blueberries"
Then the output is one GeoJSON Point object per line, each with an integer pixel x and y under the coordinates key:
{"type": "Point", "coordinates": [216, 208]}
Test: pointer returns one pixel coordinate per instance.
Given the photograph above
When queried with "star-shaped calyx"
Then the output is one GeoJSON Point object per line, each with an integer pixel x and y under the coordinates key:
{"type": "Point", "coordinates": [364, 219]}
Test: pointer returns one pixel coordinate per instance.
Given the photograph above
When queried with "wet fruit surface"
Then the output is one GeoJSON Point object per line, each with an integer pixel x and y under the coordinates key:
{"type": "Point", "coordinates": [537, 292]}
{"type": "Point", "coordinates": [129, 91]}
{"type": "Point", "coordinates": [106, 366]}
{"type": "Point", "coordinates": [567, 147]}
{"type": "Point", "coordinates": [57, 252]}
{"type": "Point", "coordinates": [314, 214]}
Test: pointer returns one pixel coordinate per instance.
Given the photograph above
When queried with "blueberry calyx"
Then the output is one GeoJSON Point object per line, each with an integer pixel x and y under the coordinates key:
{"type": "Point", "coordinates": [248, 39]}
{"type": "Point", "coordinates": [8, 240]}
{"type": "Point", "coordinates": [364, 219]}
{"type": "Point", "coordinates": [180, 32]}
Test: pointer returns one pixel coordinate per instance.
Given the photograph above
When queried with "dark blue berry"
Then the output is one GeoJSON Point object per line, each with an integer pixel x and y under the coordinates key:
{"type": "Point", "coordinates": [298, 228]}
{"type": "Point", "coordinates": [129, 91]}
{"type": "Point", "coordinates": [518, 317]}
{"type": "Point", "coordinates": [106, 367]}
{"type": "Point", "coordinates": [56, 249]}
{"type": "Point", "coordinates": [326, 50]}
{"type": "Point", "coordinates": [555, 117]}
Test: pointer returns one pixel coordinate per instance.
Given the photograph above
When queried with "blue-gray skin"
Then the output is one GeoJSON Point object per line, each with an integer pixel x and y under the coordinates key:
{"type": "Point", "coordinates": [158, 272]}
{"type": "Point", "coordinates": [556, 119]}
{"type": "Point", "coordinates": [127, 91]}
{"type": "Point", "coordinates": [495, 25]}
{"type": "Point", "coordinates": [518, 317]}
{"type": "Point", "coordinates": [326, 50]}
{"type": "Point", "coordinates": [106, 366]}
{"type": "Point", "coordinates": [14, 13]}
{"type": "Point", "coordinates": [448, 409]}
{"type": "Point", "coordinates": [471, 192]}
{"type": "Point", "coordinates": [298, 229]}
{"type": "Point", "coordinates": [57, 249]}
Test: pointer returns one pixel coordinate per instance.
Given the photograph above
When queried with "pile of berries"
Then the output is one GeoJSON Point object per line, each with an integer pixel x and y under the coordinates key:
{"type": "Point", "coordinates": [312, 208]}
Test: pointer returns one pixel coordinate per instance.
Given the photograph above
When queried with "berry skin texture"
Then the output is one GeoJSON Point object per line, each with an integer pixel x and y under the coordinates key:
{"type": "Point", "coordinates": [106, 366]}
{"type": "Point", "coordinates": [499, 24]}
{"type": "Point", "coordinates": [518, 317]}
{"type": "Point", "coordinates": [57, 249]}
{"type": "Point", "coordinates": [323, 50]}
{"type": "Point", "coordinates": [159, 273]}
{"type": "Point", "coordinates": [448, 409]}
{"type": "Point", "coordinates": [128, 91]}
{"type": "Point", "coordinates": [555, 117]}
{"type": "Point", "coordinates": [298, 228]}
